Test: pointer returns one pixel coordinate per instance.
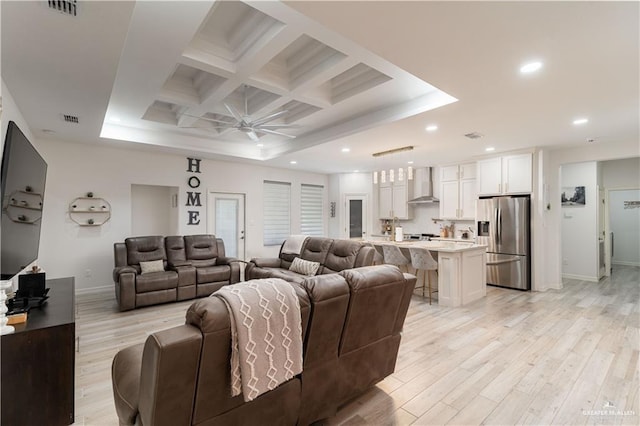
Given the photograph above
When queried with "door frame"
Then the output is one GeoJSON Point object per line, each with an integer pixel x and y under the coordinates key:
{"type": "Point", "coordinates": [364, 197]}
{"type": "Point", "coordinates": [211, 196]}
{"type": "Point", "coordinates": [607, 225]}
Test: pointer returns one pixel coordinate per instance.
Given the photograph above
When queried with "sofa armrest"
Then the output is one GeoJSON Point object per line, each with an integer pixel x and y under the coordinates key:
{"type": "Point", "coordinates": [119, 270]}
{"type": "Point", "coordinates": [266, 262]}
{"type": "Point", "coordinates": [125, 283]}
{"type": "Point", "coordinates": [223, 260]}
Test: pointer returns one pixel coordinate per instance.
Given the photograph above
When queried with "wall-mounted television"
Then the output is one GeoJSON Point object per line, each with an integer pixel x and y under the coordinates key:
{"type": "Point", "coordinates": [22, 181]}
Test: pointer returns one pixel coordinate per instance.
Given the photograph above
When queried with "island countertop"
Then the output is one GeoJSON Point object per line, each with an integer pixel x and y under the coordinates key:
{"type": "Point", "coordinates": [439, 246]}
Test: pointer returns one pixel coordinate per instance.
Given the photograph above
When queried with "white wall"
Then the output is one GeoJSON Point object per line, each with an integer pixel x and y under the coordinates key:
{"type": "Point", "coordinates": [152, 212]}
{"type": "Point", "coordinates": [345, 184]}
{"type": "Point", "coordinates": [623, 173]}
{"type": "Point", "coordinates": [579, 223]}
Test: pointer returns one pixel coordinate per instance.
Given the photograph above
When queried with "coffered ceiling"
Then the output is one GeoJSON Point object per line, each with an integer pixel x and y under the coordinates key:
{"type": "Point", "coordinates": [329, 83]}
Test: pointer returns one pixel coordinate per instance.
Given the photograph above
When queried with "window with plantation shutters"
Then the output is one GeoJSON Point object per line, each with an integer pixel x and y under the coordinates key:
{"type": "Point", "coordinates": [311, 208]}
{"type": "Point", "coordinates": [276, 212]}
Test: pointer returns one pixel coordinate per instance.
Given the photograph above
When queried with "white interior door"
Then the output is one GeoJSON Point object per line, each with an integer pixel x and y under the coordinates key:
{"type": "Point", "coordinates": [624, 226]}
{"type": "Point", "coordinates": [602, 256]}
{"type": "Point", "coordinates": [226, 219]}
{"type": "Point", "coordinates": [356, 216]}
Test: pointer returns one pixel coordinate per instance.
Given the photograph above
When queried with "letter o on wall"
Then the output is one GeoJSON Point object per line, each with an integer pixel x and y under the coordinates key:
{"type": "Point", "coordinates": [194, 182]}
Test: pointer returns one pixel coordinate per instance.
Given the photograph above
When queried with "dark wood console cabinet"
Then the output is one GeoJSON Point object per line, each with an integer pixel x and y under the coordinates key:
{"type": "Point", "coordinates": [37, 362]}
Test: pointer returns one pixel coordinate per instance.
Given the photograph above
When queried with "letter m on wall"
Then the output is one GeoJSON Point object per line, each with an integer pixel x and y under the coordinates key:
{"type": "Point", "coordinates": [193, 199]}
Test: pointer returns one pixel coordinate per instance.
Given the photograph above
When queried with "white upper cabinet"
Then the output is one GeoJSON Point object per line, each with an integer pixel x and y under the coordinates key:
{"type": "Point", "coordinates": [510, 174]}
{"type": "Point", "coordinates": [393, 199]}
{"type": "Point", "coordinates": [458, 191]}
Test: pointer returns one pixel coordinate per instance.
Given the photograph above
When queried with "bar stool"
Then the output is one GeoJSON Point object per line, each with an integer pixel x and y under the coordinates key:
{"type": "Point", "coordinates": [393, 256]}
{"type": "Point", "coordinates": [378, 259]}
{"type": "Point", "coordinates": [422, 260]}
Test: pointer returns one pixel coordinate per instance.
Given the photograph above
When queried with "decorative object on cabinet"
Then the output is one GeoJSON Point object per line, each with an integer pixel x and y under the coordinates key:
{"type": "Point", "coordinates": [24, 206]}
{"type": "Point", "coordinates": [90, 210]}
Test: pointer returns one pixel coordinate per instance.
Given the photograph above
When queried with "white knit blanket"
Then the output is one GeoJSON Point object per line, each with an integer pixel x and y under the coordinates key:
{"type": "Point", "coordinates": [293, 244]}
{"type": "Point", "coordinates": [266, 335]}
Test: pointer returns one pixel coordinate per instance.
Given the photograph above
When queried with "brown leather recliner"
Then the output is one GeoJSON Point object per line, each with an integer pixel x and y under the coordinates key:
{"type": "Point", "coordinates": [193, 266]}
{"type": "Point", "coordinates": [351, 324]}
{"type": "Point", "coordinates": [334, 255]}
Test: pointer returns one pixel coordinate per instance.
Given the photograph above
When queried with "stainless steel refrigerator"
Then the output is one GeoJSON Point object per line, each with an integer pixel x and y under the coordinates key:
{"type": "Point", "coordinates": [503, 226]}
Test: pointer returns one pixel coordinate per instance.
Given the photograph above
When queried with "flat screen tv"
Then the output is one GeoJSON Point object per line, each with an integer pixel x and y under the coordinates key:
{"type": "Point", "coordinates": [24, 172]}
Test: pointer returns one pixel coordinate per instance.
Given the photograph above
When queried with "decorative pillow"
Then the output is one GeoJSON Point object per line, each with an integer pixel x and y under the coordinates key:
{"type": "Point", "coordinates": [152, 266]}
{"type": "Point", "coordinates": [304, 267]}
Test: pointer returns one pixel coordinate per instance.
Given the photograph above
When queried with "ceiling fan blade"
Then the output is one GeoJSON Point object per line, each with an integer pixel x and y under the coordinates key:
{"type": "Point", "coordinates": [278, 126]}
{"type": "Point", "coordinates": [213, 120]}
{"type": "Point", "coordinates": [268, 117]}
{"type": "Point", "coordinates": [233, 112]}
{"type": "Point", "coordinates": [206, 128]}
{"type": "Point", "coordinates": [252, 135]}
{"type": "Point", "coordinates": [273, 132]}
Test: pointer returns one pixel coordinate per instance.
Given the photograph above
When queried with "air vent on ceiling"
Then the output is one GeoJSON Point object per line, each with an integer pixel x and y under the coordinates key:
{"type": "Point", "coordinates": [68, 7]}
{"type": "Point", "coordinates": [474, 135]}
{"type": "Point", "coordinates": [71, 118]}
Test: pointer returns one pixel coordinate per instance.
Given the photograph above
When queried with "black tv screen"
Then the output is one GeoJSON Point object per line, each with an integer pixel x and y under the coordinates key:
{"type": "Point", "coordinates": [23, 178]}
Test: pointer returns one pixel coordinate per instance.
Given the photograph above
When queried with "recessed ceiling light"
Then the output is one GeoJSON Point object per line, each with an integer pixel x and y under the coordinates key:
{"type": "Point", "coordinates": [580, 121]}
{"type": "Point", "coordinates": [431, 128]}
{"type": "Point", "coordinates": [409, 162]}
{"type": "Point", "coordinates": [48, 131]}
{"type": "Point", "coordinates": [115, 119]}
{"type": "Point", "coordinates": [489, 149]}
{"type": "Point", "coordinates": [260, 145]}
{"type": "Point", "coordinates": [356, 171]}
{"type": "Point", "coordinates": [530, 67]}
{"type": "Point", "coordinates": [346, 149]}
{"type": "Point", "coordinates": [293, 162]}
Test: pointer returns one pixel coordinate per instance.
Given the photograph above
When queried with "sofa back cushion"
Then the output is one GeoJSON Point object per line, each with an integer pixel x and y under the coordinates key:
{"type": "Point", "coordinates": [174, 246]}
{"type": "Point", "coordinates": [341, 256]}
{"type": "Point", "coordinates": [145, 249]}
{"type": "Point", "coordinates": [210, 316]}
{"type": "Point", "coordinates": [202, 250]}
{"type": "Point", "coordinates": [378, 295]}
{"type": "Point", "coordinates": [315, 249]}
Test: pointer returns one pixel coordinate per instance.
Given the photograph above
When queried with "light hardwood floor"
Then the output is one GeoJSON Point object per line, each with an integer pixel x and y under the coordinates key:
{"type": "Point", "coordinates": [557, 357]}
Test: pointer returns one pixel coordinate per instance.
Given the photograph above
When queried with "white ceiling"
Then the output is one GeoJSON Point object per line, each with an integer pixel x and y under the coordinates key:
{"type": "Point", "coordinates": [368, 76]}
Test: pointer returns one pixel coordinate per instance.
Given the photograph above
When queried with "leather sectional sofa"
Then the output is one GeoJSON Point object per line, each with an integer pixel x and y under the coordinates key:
{"type": "Point", "coordinates": [351, 325]}
{"type": "Point", "coordinates": [332, 255]}
{"type": "Point", "coordinates": [188, 267]}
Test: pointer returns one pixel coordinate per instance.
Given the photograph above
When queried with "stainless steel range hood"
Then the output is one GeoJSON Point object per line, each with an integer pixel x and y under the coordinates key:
{"type": "Point", "coordinates": [425, 187]}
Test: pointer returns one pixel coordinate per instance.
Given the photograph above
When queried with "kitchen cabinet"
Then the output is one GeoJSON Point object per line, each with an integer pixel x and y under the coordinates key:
{"type": "Point", "coordinates": [393, 198]}
{"type": "Point", "coordinates": [510, 174]}
{"type": "Point", "coordinates": [458, 191]}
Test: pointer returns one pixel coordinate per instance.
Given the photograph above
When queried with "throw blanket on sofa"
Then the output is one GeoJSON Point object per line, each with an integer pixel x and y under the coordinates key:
{"type": "Point", "coordinates": [293, 244]}
{"type": "Point", "coordinates": [266, 335]}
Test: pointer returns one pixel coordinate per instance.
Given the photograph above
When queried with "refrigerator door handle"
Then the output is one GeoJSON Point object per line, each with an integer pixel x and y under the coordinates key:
{"type": "Point", "coordinates": [501, 262]}
{"type": "Point", "coordinates": [499, 225]}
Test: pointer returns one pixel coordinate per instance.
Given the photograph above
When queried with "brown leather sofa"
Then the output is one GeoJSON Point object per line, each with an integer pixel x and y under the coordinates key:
{"type": "Point", "coordinates": [351, 324]}
{"type": "Point", "coordinates": [193, 266]}
{"type": "Point", "coordinates": [333, 255]}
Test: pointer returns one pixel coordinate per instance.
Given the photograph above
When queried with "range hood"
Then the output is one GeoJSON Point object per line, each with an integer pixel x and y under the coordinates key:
{"type": "Point", "coordinates": [424, 186]}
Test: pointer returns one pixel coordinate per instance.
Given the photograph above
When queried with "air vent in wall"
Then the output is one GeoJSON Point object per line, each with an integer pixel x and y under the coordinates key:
{"type": "Point", "coordinates": [68, 7]}
{"type": "Point", "coordinates": [71, 118]}
{"type": "Point", "coordinates": [474, 135]}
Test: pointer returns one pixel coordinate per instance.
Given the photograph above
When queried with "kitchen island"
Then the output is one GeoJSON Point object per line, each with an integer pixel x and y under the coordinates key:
{"type": "Point", "coordinates": [462, 269]}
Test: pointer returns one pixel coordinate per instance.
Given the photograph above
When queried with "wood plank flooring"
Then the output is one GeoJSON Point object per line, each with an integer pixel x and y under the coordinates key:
{"type": "Point", "coordinates": [559, 357]}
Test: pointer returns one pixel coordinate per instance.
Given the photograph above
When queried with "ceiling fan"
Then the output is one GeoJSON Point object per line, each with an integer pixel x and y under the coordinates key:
{"type": "Point", "coordinates": [245, 124]}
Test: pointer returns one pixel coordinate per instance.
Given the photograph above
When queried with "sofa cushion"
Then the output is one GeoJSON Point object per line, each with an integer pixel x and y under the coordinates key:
{"type": "Point", "coordinates": [151, 266]}
{"type": "Point", "coordinates": [201, 247]}
{"type": "Point", "coordinates": [156, 281]}
{"type": "Point", "coordinates": [315, 249]}
{"type": "Point", "coordinates": [212, 274]}
{"type": "Point", "coordinates": [125, 372]}
{"type": "Point", "coordinates": [144, 249]}
{"type": "Point", "coordinates": [304, 267]}
{"type": "Point", "coordinates": [342, 256]}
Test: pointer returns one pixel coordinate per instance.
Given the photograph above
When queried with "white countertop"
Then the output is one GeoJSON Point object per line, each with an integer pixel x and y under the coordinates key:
{"type": "Point", "coordinates": [450, 245]}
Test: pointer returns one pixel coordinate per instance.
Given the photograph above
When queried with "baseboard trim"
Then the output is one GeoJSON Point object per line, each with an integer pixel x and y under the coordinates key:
{"type": "Point", "coordinates": [92, 290]}
{"type": "Point", "coordinates": [624, 263]}
{"type": "Point", "coordinates": [580, 277]}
